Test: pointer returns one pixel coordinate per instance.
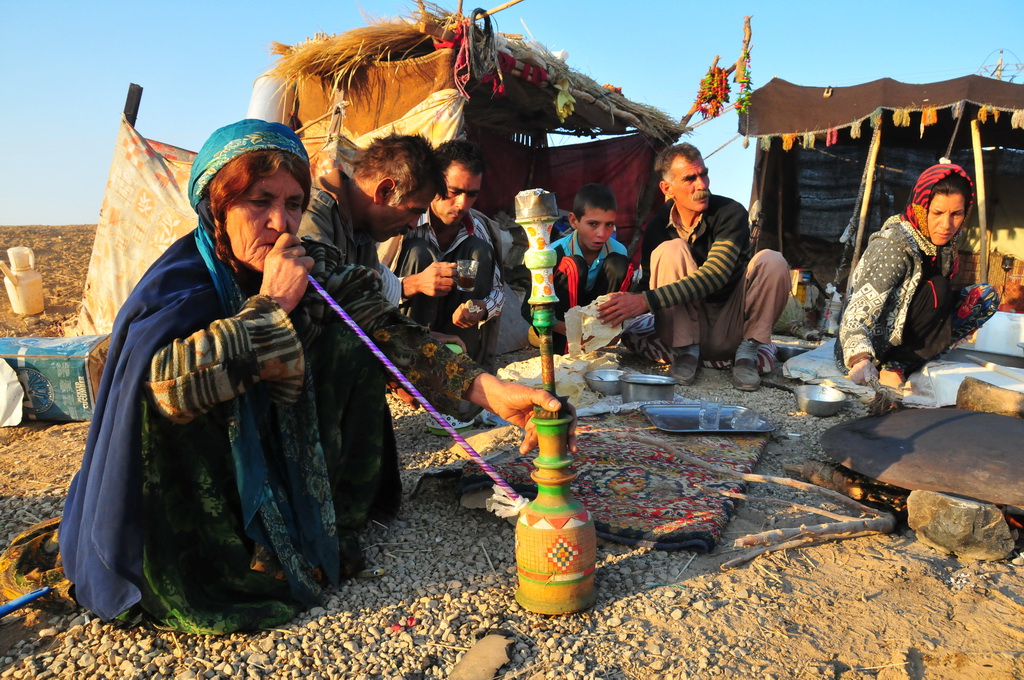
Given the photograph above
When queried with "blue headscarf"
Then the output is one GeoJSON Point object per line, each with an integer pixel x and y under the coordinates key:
{"type": "Point", "coordinates": [224, 146]}
{"type": "Point", "coordinates": [101, 533]}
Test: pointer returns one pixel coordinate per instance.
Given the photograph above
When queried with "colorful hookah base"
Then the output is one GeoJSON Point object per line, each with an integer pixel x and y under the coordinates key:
{"type": "Point", "coordinates": [556, 552]}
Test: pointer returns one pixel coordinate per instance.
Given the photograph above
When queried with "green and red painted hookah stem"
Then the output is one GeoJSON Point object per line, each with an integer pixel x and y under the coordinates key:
{"type": "Point", "coordinates": [393, 370]}
{"type": "Point", "coordinates": [543, 320]}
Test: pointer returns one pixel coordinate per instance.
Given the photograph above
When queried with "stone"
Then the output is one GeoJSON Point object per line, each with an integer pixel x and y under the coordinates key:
{"type": "Point", "coordinates": [482, 661]}
{"type": "Point", "coordinates": [967, 528]}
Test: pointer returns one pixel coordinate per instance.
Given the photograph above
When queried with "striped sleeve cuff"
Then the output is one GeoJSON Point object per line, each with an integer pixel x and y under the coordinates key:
{"type": "Point", "coordinates": [191, 376]}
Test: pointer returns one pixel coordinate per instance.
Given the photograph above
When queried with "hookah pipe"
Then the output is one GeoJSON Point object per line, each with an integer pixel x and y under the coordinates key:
{"type": "Point", "coordinates": [506, 502]}
{"type": "Point", "coordinates": [555, 535]}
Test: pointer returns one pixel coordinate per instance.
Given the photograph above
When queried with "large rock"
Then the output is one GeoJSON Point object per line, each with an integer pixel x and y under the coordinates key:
{"type": "Point", "coordinates": [967, 528]}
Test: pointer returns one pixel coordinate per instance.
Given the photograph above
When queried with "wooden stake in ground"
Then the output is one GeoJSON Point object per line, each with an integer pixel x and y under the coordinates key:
{"type": "Point", "coordinates": [875, 522]}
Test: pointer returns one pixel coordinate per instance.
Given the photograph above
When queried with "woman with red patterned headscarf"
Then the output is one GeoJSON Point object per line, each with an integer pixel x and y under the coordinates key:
{"type": "Point", "coordinates": [904, 309]}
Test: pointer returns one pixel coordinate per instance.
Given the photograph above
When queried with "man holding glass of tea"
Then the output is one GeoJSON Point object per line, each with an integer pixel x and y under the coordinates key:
{"type": "Point", "coordinates": [448, 265]}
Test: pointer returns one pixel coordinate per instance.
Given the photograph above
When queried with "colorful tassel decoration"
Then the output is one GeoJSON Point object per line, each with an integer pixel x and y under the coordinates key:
{"type": "Point", "coordinates": [983, 114]}
{"type": "Point", "coordinates": [832, 137]}
{"type": "Point", "coordinates": [901, 117]}
{"type": "Point", "coordinates": [929, 116]}
{"type": "Point", "coordinates": [855, 129]}
{"type": "Point", "coordinates": [787, 142]}
{"type": "Point", "coordinates": [1017, 121]}
{"type": "Point", "coordinates": [808, 141]}
{"type": "Point", "coordinates": [766, 142]}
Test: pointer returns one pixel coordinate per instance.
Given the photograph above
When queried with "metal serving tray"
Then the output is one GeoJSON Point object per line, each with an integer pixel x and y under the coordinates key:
{"type": "Point", "coordinates": [685, 418]}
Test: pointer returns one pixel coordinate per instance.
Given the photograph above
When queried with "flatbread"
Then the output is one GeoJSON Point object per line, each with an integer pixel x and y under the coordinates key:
{"type": "Point", "coordinates": [585, 332]}
{"type": "Point", "coordinates": [569, 371]}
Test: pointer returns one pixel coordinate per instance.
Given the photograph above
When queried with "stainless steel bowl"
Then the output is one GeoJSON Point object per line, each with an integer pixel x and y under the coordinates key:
{"type": "Point", "coordinates": [645, 387]}
{"type": "Point", "coordinates": [819, 400]}
{"type": "Point", "coordinates": [604, 380]}
{"type": "Point", "coordinates": [786, 352]}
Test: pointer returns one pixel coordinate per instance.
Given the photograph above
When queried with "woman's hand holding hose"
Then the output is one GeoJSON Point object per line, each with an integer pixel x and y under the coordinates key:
{"type": "Point", "coordinates": [863, 372]}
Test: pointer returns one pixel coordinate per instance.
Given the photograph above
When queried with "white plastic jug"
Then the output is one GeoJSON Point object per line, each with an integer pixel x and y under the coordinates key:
{"type": "Point", "coordinates": [23, 282]}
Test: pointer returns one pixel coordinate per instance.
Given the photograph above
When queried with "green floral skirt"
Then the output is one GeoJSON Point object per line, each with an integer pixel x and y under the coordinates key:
{"type": "Point", "coordinates": [202, 573]}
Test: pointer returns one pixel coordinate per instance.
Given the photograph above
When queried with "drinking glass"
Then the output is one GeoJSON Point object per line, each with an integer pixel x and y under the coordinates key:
{"type": "Point", "coordinates": [466, 273]}
{"type": "Point", "coordinates": [710, 413]}
{"type": "Point", "coordinates": [745, 419]}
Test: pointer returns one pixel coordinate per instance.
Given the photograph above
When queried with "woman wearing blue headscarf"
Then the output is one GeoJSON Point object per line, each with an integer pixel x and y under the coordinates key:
{"type": "Point", "coordinates": [241, 436]}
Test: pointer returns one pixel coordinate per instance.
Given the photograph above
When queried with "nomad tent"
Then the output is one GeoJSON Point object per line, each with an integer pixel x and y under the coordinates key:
{"type": "Point", "coordinates": [440, 75]}
{"type": "Point", "coordinates": [833, 163]}
{"type": "Point", "coordinates": [447, 75]}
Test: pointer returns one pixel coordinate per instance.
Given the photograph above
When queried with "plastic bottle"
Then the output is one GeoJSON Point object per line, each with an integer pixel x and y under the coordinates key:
{"type": "Point", "coordinates": [23, 282]}
{"type": "Point", "coordinates": [833, 307]}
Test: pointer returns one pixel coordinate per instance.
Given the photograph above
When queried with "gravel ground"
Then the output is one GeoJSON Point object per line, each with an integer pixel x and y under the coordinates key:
{"type": "Point", "coordinates": [876, 607]}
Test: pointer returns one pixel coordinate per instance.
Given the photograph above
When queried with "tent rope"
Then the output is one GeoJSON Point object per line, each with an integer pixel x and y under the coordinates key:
{"type": "Point", "coordinates": [723, 146]}
{"type": "Point", "coordinates": [956, 129]}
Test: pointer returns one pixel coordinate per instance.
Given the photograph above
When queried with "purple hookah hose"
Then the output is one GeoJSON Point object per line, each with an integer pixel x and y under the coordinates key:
{"type": "Point", "coordinates": [484, 465]}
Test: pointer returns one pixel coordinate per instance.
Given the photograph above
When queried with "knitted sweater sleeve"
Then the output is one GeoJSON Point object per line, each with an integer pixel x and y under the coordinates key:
{"type": "Point", "coordinates": [709, 278]}
{"type": "Point", "coordinates": [213, 365]}
{"type": "Point", "coordinates": [877, 282]}
{"type": "Point", "coordinates": [728, 229]}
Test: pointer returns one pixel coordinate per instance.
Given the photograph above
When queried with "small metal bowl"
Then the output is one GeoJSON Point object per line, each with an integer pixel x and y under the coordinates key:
{"type": "Point", "coordinates": [786, 352]}
{"type": "Point", "coordinates": [604, 380]}
{"type": "Point", "coordinates": [645, 387]}
{"type": "Point", "coordinates": [819, 400]}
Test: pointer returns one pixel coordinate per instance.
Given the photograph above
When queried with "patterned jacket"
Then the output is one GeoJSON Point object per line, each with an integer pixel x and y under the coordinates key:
{"type": "Point", "coordinates": [884, 284]}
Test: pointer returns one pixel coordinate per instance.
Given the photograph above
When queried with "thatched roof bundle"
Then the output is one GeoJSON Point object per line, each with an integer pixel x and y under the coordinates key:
{"type": "Point", "coordinates": [513, 86]}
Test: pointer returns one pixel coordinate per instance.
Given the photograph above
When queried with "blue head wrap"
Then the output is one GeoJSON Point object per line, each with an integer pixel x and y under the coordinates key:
{"type": "Point", "coordinates": [230, 142]}
{"type": "Point", "coordinates": [101, 536]}
{"type": "Point", "coordinates": [225, 145]}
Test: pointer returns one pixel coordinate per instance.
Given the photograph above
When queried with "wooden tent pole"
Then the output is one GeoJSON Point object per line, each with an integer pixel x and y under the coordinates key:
{"type": "Point", "coordinates": [131, 103]}
{"type": "Point", "coordinates": [869, 178]}
{"type": "Point", "coordinates": [979, 180]}
{"type": "Point", "coordinates": [504, 5]}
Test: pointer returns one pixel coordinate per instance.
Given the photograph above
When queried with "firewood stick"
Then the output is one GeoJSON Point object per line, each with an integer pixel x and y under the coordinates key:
{"type": "Point", "coordinates": [726, 472]}
{"type": "Point", "coordinates": [748, 556]}
{"type": "Point", "coordinates": [882, 524]}
{"type": "Point", "coordinates": [781, 501]}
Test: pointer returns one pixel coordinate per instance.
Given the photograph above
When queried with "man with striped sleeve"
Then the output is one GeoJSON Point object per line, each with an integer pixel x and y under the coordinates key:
{"type": "Point", "coordinates": [712, 298]}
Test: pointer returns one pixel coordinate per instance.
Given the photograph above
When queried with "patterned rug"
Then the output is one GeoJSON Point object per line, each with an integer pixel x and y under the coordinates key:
{"type": "Point", "coordinates": [638, 495]}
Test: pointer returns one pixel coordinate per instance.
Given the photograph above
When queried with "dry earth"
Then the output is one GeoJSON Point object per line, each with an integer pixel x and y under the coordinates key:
{"type": "Point", "coordinates": [876, 607]}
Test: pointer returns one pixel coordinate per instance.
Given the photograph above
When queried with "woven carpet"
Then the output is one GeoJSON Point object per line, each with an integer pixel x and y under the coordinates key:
{"type": "Point", "coordinates": [639, 495]}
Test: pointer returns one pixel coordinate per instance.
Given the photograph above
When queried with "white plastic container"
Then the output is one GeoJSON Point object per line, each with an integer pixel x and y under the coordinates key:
{"type": "Point", "coordinates": [271, 100]}
{"type": "Point", "coordinates": [23, 282]}
{"type": "Point", "coordinates": [1002, 334]}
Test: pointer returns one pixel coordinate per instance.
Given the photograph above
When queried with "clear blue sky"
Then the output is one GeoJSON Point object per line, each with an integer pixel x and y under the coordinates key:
{"type": "Point", "coordinates": [66, 67]}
